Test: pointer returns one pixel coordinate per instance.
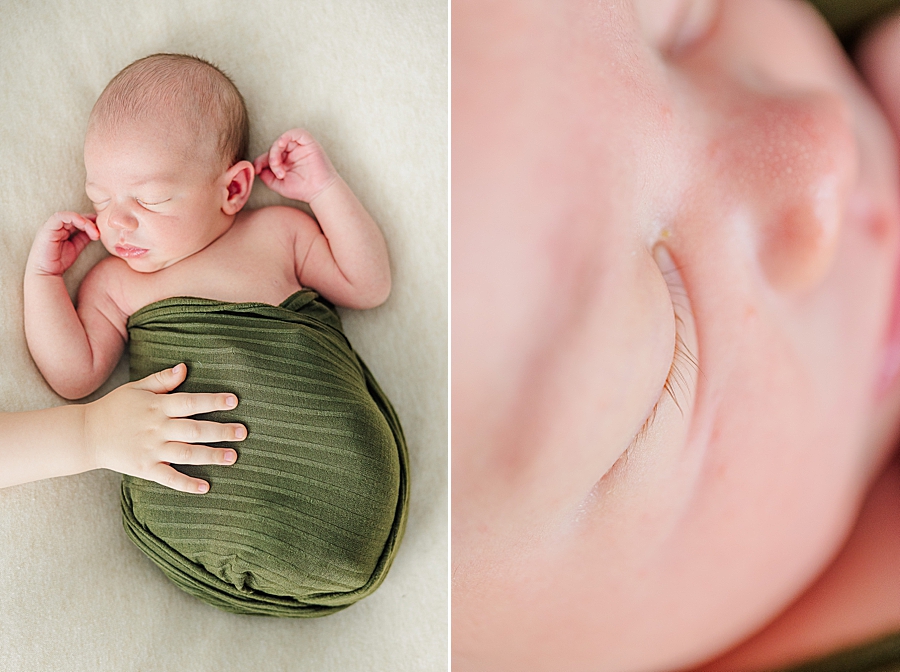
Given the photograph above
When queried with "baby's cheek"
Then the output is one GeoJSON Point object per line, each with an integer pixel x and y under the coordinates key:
{"type": "Point", "coordinates": [107, 235]}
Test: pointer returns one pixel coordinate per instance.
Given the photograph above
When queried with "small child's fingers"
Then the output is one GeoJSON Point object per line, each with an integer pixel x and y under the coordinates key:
{"type": "Point", "coordinates": [72, 221]}
{"type": "Point", "coordinates": [60, 233]}
{"type": "Point", "coordinates": [187, 453]}
{"type": "Point", "coordinates": [203, 431]}
{"type": "Point", "coordinates": [185, 404]}
{"type": "Point", "coordinates": [75, 219]}
{"type": "Point", "coordinates": [268, 178]}
{"type": "Point", "coordinates": [162, 381]}
{"type": "Point", "coordinates": [80, 241]}
{"type": "Point", "coordinates": [58, 222]}
{"type": "Point", "coordinates": [261, 162]}
{"type": "Point", "coordinates": [298, 136]}
{"type": "Point", "coordinates": [172, 478]}
{"type": "Point", "coordinates": [91, 227]}
{"type": "Point", "coordinates": [275, 163]}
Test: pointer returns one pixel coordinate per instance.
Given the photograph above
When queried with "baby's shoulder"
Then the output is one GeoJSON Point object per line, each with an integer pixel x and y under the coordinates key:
{"type": "Point", "coordinates": [108, 272]}
{"type": "Point", "coordinates": [277, 215]}
{"type": "Point", "coordinates": [108, 281]}
{"type": "Point", "coordinates": [277, 228]}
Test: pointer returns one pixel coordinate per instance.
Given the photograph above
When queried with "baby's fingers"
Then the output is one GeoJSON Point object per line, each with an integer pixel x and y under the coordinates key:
{"type": "Point", "coordinates": [201, 431]}
{"type": "Point", "coordinates": [172, 478]}
{"type": "Point", "coordinates": [89, 226]}
{"type": "Point", "coordinates": [184, 404]}
{"type": "Point", "coordinates": [261, 162]}
{"type": "Point", "coordinates": [294, 137]}
{"type": "Point", "coordinates": [275, 157]}
{"type": "Point", "coordinates": [80, 241]}
{"type": "Point", "coordinates": [268, 178]}
{"type": "Point", "coordinates": [68, 220]}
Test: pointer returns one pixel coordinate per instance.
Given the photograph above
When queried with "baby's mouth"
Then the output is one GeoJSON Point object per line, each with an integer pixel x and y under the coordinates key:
{"type": "Point", "coordinates": [129, 251]}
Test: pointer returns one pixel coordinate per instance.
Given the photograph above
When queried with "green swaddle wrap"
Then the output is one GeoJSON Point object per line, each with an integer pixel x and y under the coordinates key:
{"type": "Point", "coordinates": [308, 520]}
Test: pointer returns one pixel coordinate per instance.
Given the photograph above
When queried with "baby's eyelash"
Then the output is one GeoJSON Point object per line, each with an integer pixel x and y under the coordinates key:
{"type": "Point", "coordinates": [682, 361]}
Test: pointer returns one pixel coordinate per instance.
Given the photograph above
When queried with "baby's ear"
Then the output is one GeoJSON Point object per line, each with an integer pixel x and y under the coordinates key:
{"type": "Point", "coordinates": [239, 182]}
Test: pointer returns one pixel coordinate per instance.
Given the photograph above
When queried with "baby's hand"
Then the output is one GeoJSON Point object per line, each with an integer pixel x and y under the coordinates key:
{"type": "Point", "coordinates": [296, 166]}
{"type": "Point", "coordinates": [59, 242]}
{"type": "Point", "coordinates": [140, 430]}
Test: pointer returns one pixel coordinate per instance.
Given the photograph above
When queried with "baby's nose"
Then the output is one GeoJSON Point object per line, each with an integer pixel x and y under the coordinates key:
{"type": "Point", "coordinates": [799, 158]}
{"type": "Point", "coordinates": [122, 220]}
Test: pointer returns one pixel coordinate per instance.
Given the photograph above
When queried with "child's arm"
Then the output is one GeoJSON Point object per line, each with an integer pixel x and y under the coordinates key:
{"type": "Point", "coordinates": [136, 429]}
{"type": "Point", "coordinates": [346, 260]}
{"type": "Point", "coordinates": [74, 350]}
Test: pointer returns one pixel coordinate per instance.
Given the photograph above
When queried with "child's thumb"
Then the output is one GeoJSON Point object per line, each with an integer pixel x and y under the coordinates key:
{"type": "Point", "coordinates": [163, 381]}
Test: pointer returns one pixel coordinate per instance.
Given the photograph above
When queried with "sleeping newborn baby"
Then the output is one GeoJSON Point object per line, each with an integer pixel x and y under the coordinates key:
{"type": "Point", "coordinates": [309, 517]}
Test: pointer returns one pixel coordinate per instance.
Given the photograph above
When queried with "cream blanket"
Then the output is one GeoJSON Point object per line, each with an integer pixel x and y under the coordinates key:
{"type": "Point", "coordinates": [369, 79]}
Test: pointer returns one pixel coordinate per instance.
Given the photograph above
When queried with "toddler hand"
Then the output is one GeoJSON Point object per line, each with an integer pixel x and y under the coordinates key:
{"type": "Point", "coordinates": [296, 166]}
{"type": "Point", "coordinates": [60, 241]}
{"type": "Point", "coordinates": [140, 430]}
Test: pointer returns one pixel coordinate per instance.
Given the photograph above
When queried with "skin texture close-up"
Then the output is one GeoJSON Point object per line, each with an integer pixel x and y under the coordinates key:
{"type": "Point", "coordinates": [675, 256]}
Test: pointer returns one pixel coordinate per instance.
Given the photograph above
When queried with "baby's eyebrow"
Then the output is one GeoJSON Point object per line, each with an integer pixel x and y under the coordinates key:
{"type": "Point", "coordinates": [162, 179]}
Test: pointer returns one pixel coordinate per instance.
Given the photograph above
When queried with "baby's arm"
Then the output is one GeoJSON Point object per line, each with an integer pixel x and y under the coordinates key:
{"type": "Point", "coordinates": [136, 429]}
{"type": "Point", "coordinates": [75, 350]}
{"type": "Point", "coordinates": [346, 260]}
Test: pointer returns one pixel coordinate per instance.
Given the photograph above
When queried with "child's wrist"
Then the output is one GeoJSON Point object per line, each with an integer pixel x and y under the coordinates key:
{"type": "Point", "coordinates": [88, 441]}
{"type": "Point", "coordinates": [85, 457]}
{"type": "Point", "coordinates": [33, 269]}
{"type": "Point", "coordinates": [329, 186]}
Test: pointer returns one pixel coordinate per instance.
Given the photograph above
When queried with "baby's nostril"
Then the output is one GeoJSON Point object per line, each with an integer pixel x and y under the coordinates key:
{"type": "Point", "coordinates": [797, 163]}
{"type": "Point", "coordinates": [799, 243]}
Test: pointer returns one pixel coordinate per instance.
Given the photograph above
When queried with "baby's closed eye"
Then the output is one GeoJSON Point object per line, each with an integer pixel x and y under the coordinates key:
{"type": "Point", "coordinates": [152, 202]}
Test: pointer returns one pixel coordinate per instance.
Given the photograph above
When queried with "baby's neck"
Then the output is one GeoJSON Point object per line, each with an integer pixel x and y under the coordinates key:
{"type": "Point", "coordinates": [249, 261]}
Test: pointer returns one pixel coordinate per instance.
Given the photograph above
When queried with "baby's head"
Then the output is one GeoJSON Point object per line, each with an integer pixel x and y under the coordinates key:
{"type": "Point", "coordinates": [165, 154]}
{"type": "Point", "coordinates": [676, 323]}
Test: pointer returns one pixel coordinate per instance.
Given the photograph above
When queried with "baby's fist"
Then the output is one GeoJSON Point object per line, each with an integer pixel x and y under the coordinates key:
{"type": "Point", "coordinates": [296, 166]}
{"type": "Point", "coordinates": [59, 242]}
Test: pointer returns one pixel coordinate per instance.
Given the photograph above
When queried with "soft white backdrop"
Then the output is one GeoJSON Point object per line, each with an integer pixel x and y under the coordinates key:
{"type": "Point", "coordinates": [369, 79]}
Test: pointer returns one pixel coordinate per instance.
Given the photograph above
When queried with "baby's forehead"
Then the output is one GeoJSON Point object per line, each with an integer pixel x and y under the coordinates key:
{"type": "Point", "coordinates": [168, 130]}
{"type": "Point", "coordinates": [145, 151]}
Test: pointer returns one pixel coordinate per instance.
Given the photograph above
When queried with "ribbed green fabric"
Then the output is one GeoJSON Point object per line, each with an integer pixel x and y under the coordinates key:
{"type": "Point", "coordinates": [308, 520]}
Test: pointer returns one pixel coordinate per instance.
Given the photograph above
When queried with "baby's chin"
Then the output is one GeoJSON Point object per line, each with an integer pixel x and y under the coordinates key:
{"type": "Point", "coordinates": [143, 267]}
